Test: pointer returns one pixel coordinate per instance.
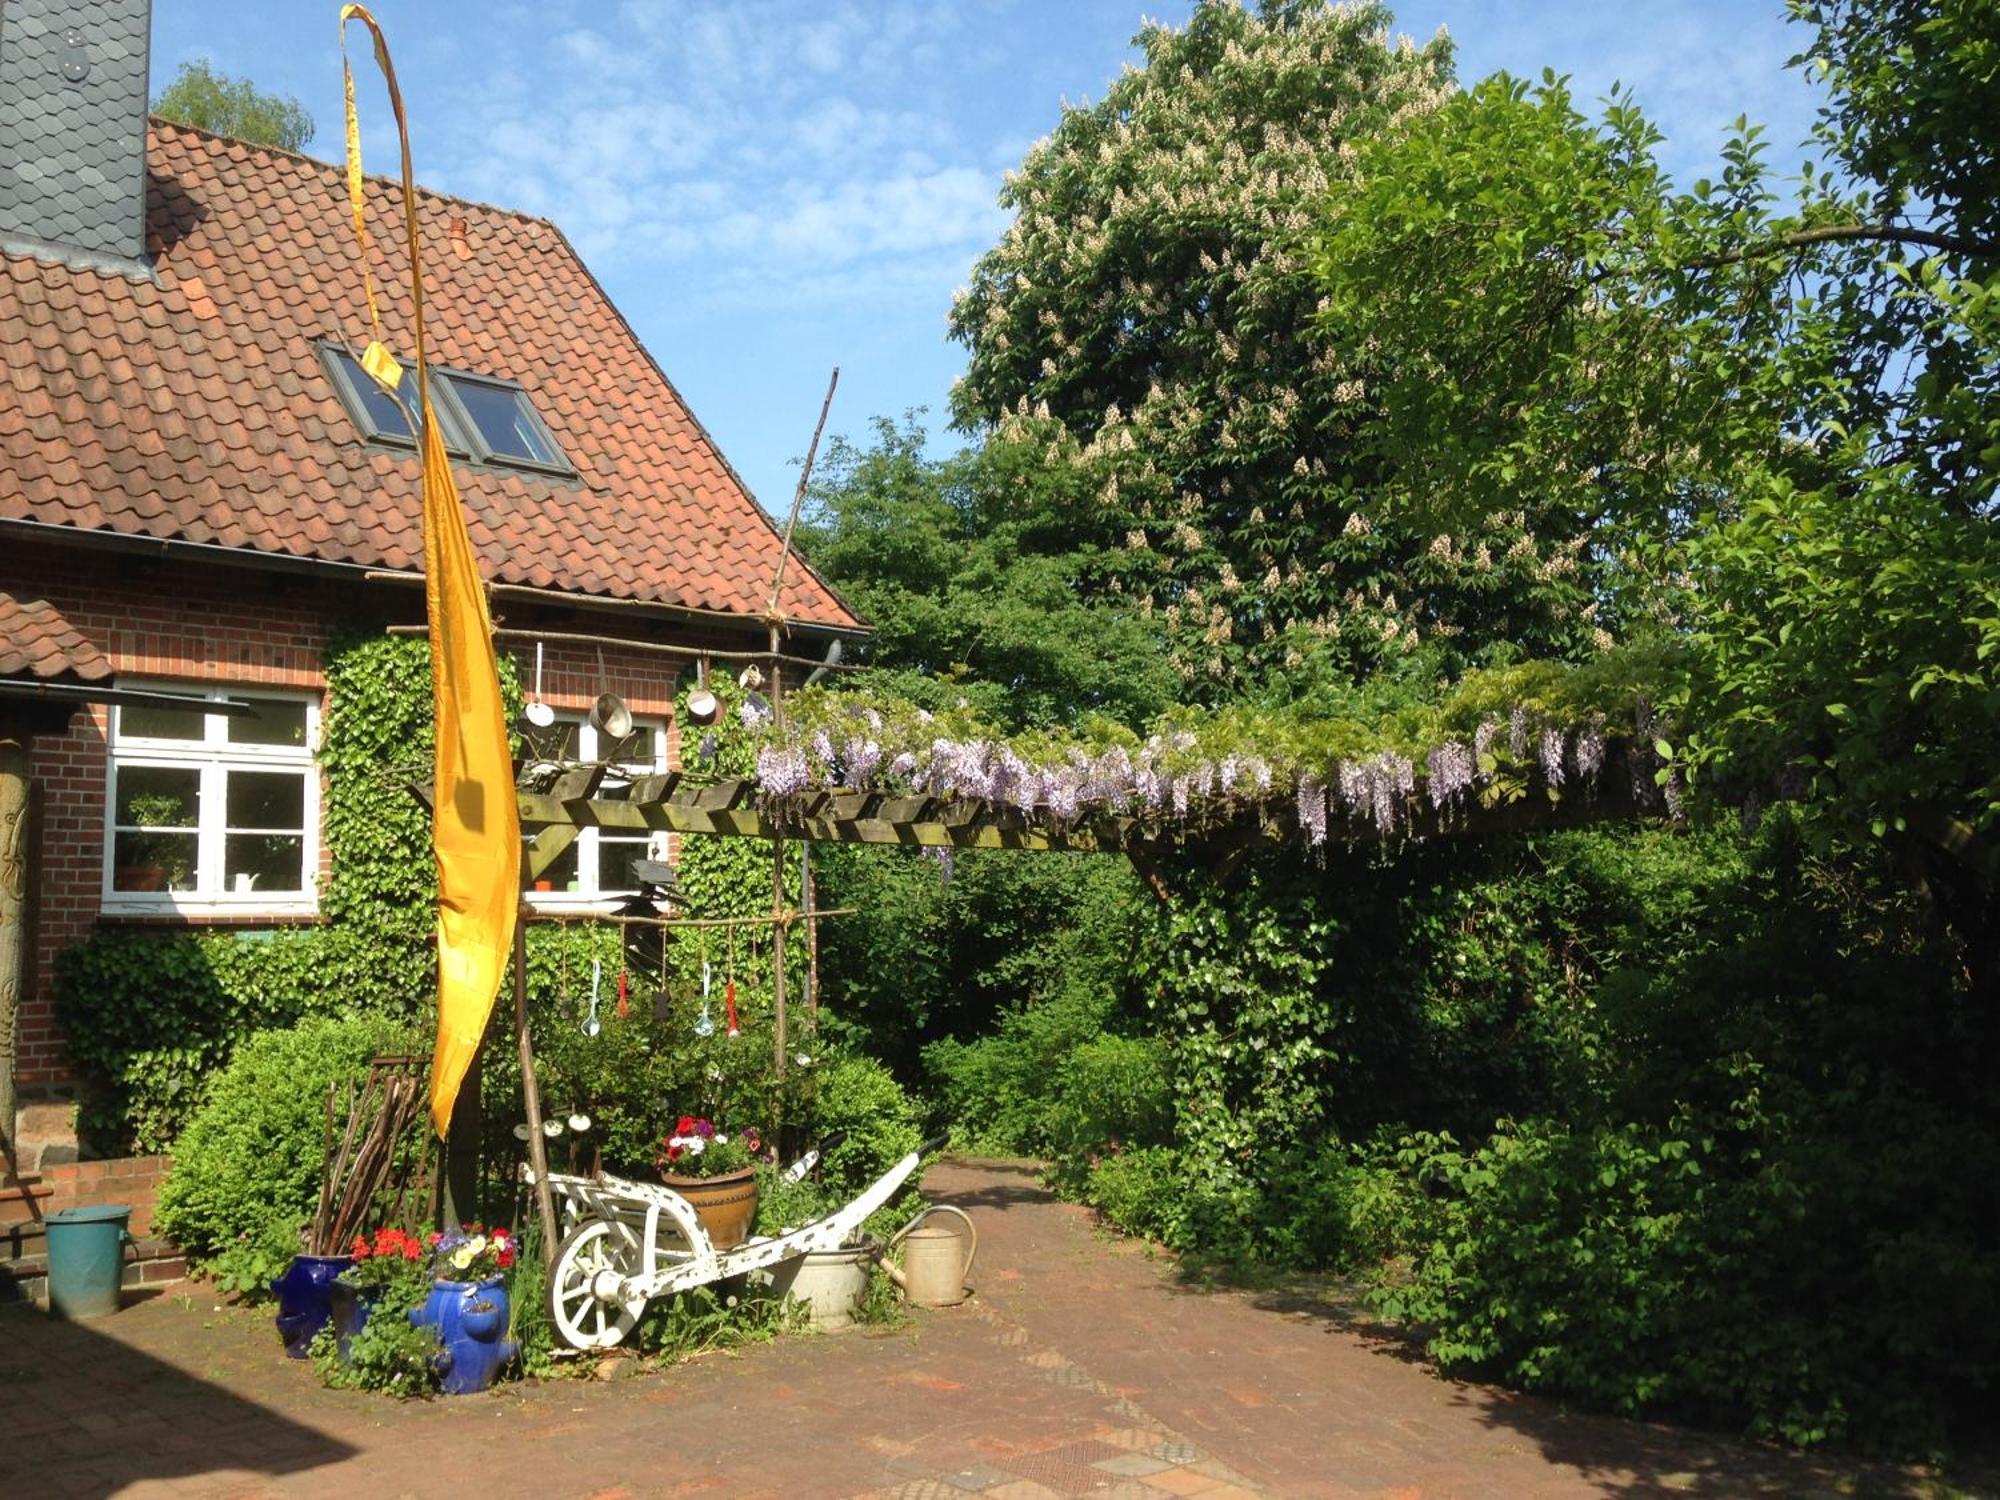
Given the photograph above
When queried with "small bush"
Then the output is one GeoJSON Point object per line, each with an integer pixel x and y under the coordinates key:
{"type": "Point", "coordinates": [996, 1091]}
{"type": "Point", "coordinates": [247, 1168]}
{"type": "Point", "coordinates": [877, 1121]}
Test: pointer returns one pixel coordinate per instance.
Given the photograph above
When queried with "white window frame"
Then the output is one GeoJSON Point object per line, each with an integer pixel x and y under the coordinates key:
{"type": "Point", "coordinates": [587, 897]}
{"type": "Point", "coordinates": [213, 756]}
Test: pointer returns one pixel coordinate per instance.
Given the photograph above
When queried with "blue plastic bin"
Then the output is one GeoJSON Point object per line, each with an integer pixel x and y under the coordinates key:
{"type": "Point", "coordinates": [87, 1259]}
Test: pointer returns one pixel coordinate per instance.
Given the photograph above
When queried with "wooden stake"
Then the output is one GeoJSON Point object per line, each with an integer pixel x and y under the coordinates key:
{"type": "Point", "coordinates": [531, 1097]}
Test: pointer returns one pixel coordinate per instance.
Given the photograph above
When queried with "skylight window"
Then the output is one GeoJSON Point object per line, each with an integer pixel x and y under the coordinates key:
{"type": "Point", "coordinates": [504, 419]}
{"type": "Point", "coordinates": [481, 417]}
{"type": "Point", "coordinates": [375, 411]}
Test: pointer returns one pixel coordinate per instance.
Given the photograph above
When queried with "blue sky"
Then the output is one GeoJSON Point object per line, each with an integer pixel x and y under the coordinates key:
{"type": "Point", "coordinates": [769, 188]}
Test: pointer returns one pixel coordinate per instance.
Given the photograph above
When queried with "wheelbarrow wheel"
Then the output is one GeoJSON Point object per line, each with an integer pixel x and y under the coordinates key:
{"type": "Point", "coordinates": [591, 1310]}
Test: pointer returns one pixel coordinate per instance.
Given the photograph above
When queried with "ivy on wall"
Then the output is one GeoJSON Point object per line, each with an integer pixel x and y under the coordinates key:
{"type": "Point", "coordinates": [151, 1016]}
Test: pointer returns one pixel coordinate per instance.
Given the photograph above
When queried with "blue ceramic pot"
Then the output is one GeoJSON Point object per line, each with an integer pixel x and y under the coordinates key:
{"type": "Point", "coordinates": [351, 1307]}
{"type": "Point", "coordinates": [471, 1320]}
{"type": "Point", "coordinates": [305, 1297]}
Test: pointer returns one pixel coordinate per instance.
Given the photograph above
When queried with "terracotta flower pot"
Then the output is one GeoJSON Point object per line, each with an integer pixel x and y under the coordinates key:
{"type": "Point", "coordinates": [726, 1205]}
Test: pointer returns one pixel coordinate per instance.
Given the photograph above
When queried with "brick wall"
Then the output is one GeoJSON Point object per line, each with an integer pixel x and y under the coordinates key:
{"type": "Point", "coordinates": [173, 622]}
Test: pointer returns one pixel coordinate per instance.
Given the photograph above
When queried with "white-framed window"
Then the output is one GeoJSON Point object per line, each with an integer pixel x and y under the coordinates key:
{"type": "Point", "coordinates": [596, 869]}
{"type": "Point", "coordinates": [210, 813]}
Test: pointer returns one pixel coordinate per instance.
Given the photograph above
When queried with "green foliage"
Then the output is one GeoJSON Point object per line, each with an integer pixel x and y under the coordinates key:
{"type": "Point", "coordinates": [950, 562]}
{"type": "Point", "coordinates": [529, 1324]}
{"type": "Point", "coordinates": [202, 97]}
{"type": "Point", "coordinates": [1146, 366]}
{"type": "Point", "coordinates": [1785, 413]}
{"type": "Point", "coordinates": [877, 1122]}
{"type": "Point", "coordinates": [705, 1318]}
{"type": "Point", "coordinates": [390, 1354]}
{"type": "Point", "coordinates": [247, 1168]}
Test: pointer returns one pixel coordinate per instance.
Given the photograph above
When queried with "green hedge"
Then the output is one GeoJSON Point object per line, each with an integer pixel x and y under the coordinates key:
{"type": "Point", "coordinates": [247, 1167]}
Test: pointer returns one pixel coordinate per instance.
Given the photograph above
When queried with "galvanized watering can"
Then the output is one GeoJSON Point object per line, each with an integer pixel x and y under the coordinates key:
{"type": "Point", "coordinates": [935, 1268]}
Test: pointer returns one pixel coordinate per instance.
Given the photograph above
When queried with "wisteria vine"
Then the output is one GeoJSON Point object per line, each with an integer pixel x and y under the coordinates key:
{"type": "Point", "coordinates": [1201, 770]}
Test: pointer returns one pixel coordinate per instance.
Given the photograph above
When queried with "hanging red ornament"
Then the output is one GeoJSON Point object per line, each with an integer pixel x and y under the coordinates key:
{"type": "Point", "coordinates": [729, 1004]}
{"type": "Point", "coordinates": [624, 994]}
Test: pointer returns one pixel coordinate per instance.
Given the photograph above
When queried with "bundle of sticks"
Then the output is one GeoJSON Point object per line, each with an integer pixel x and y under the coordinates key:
{"type": "Point", "coordinates": [376, 1159]}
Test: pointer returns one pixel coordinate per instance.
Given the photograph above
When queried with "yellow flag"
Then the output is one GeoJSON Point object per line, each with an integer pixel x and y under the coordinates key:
{"type": "Point", "coordinates": [477, 828]}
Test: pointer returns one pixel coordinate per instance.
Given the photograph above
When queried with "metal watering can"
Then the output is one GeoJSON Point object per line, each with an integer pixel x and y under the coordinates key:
{"type": "Point", "coordinates": [934, 1269]}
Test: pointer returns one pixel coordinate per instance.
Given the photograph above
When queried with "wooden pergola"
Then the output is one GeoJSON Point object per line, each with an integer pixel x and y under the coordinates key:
{"type": "Point", "coordinates": [671, 802]}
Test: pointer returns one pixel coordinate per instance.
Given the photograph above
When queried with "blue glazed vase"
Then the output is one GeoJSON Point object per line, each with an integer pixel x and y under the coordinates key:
{"type": "Point", "coordinates": [351, 1307]}
{"type": "Point", "coordinates": [305, 1299]}
{"type": "Point", "coordinates": [471, 1320]}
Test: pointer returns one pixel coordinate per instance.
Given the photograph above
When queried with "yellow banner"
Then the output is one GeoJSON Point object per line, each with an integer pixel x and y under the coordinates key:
{"type": "Point", "coordinates": [477, 829]}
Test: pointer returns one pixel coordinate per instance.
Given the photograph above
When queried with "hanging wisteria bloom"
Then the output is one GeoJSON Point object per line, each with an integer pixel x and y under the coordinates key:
{"type": "Point", "coordinates": [1482, 740]}
{"type": "Point", "coordinates": [782, 772]}
{"type": "Point", "coordinates": [1312, 809]}
{"type": "Point", "coordinates": [1553, 746]}
{"type": "Point", "coordinates": [754, 712]}
{"type": "Point", "coordinates": [1451, 770]}
{"type": "Point", "coordinates": [1590, 752]}
{"type": "Point", "coordinates": [1517, 733]}
{"type": "Point", "coordinates": [1353, 781]}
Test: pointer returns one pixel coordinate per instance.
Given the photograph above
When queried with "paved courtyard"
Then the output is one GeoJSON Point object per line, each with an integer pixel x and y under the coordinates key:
{"type": "Point", "coordinates": [1083, 1367]}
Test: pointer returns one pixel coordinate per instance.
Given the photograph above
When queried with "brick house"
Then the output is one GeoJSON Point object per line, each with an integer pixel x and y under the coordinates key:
{"type": "Point", "coordinates": [197, 486]}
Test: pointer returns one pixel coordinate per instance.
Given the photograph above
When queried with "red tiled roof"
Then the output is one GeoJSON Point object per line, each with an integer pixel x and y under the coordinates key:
{"type": "Point", "coordinates": [196, 409]}
{"type": "Point", "coordinates": [36, 641]}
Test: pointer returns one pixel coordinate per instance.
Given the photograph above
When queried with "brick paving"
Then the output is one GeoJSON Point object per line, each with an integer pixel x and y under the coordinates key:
{"type": "Point", "coordinates": [1083, 1367]}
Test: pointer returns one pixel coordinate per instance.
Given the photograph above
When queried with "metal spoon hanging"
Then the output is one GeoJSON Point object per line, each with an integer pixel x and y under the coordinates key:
{"type": "Point", "coordinates": [591, 1025]}
{"type": "Point", "coordinates": [704, 1024]}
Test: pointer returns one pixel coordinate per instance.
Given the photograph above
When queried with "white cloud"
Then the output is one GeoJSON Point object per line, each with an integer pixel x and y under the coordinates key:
{"type": "Point", "coordinates": [757, 143]}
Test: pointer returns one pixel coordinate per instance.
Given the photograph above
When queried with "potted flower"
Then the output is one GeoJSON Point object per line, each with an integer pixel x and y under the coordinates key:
{"type": "Point", "coordinates": [716, 1173]}
{"type": "Point", "coordinates": [467, 1305]}
{"type": "Point", "coordinates": [393, 1267]}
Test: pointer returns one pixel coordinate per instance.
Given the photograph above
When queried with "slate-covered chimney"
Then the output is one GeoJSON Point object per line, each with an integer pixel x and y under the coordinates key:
{"type": "Point", "coordinates": [73, 130]}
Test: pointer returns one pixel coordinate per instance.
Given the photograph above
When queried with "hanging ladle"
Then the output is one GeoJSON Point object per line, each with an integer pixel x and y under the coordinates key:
{"type": "Point", "coordinates": [591, 1025]}
{"type": "Point", "coordinates": [539, 713]}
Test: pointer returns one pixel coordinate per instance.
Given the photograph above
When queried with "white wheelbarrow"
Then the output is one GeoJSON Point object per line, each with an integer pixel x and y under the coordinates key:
{"type": "Point", "coordinates": [628, 1242]}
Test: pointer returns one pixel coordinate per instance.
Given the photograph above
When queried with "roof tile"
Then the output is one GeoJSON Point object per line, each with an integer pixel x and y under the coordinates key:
{"type": "Point", "coordinates": [197, 409]}
{"type": "Point", "coordinates": [36, 641]}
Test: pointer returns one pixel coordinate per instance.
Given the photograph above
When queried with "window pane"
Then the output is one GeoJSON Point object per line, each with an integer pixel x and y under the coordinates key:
{"type": "Point", "coordinates": [504, 421]}
{"type": "Point", "coordinates": [384, 414]}
{"type": "Point", "coordinates": [161, 723]}
{"type": "Point", "coordinates": [562, 875]}
{"type": "Point", "coordinates": [153, 861]}
{"type": "Point", "coordinates": [266, 799]}
{"type": "Point", "coordinates": [263, 862]}
{"type": "Point", "coordinates": [158, 796]}
{"type": "Point", "coordinates": [279, 721]}
{"type": "Point", "coordinates": [614, 863]}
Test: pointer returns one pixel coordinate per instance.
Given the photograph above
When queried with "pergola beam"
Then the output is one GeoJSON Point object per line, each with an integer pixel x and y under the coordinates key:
{"type": "Point", "coordinates": [668, 803]}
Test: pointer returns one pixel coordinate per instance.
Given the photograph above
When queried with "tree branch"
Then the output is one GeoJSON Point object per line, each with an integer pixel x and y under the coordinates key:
{"type": "Point", "coordinates": [1888, 234]}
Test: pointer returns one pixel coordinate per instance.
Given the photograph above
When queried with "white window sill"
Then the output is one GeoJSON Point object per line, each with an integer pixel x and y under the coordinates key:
{"type": "Point", "coordinates": [575, 901]}
{"type": "Point", "coordinates": [207, 907]}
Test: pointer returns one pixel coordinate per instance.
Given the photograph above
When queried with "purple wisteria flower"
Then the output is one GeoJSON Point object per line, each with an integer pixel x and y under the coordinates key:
{"type": "Point", "coordinates": [1590, 752]}
{"type": "Point", "coordinates": [754, 712]}
{"type": "Point", "coordinates": [1312, 808]}
{"type": "Point", "coordinates": [1451, 772]}
{"type": "Point", "coordinates": [1552, 747]}
{"type": "Point", "coordinates": [782, 771]}
{"type": "Point", "coordinates": [1482, 740]}
{"type": "Point", "coordinates": [1517, 733]}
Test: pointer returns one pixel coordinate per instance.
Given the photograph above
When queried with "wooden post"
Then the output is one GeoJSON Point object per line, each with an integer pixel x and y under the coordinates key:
{"type": "Point", "coordinates": [461, 1150]}
{"type": "Point", "coordinates": [809, 898]}
{"type": "Point", "coordinates": [14, 792]}
{"type": "Point", "coordinates": [531, 1094]}
{"type": "Point", "coordinates": [778, 872]}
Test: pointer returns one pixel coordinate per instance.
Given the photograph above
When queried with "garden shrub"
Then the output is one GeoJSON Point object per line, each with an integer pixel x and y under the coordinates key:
{"type": "Point", "coordinates": [247, 1169]}
{"type": "Point", "coordinates": [995, 1091]}
{"type": "Point", "coordinates": [875, 1118]}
